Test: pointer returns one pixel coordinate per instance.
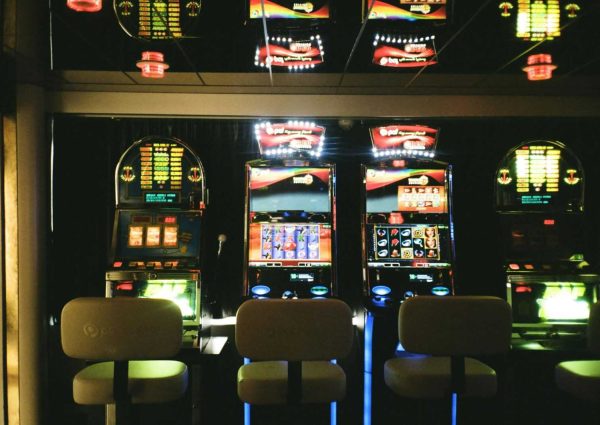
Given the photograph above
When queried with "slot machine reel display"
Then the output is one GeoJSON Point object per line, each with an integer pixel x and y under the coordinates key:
{"type": "Point", "coordinates": [290, 222]}
{"type": "Point", "coordinates": [157, 233]}
{"type": "Point", "coordinates": [540, 205]}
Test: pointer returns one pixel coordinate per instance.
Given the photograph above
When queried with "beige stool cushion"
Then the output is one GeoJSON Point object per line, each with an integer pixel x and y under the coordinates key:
{"type": "Point", "coordinates": [150, 381]}
{"type": "Point", "coordinates": [266, 382]}
{"type": "Point", "coordinates": [579, 378]}
{"type": "Point", "coordinates": [429, 377]}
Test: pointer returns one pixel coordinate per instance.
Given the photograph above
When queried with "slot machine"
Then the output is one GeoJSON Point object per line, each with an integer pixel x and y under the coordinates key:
{"type": "Point", "coordinates": [408, 247]}
{"type": "Point", "coordinates": [290, 215]}
{"type": "Point", "coordinates": [539, 196]}
{"type": "Point", "coordinates": [156, 248]}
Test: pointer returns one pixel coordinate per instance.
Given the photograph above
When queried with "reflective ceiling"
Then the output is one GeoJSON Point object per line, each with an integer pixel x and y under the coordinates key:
{"type": "Point", "coordinates": [478, 52]}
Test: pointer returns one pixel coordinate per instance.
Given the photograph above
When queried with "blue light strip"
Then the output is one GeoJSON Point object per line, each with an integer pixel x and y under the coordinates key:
{"type": "Point", "coordinates": [333, 413]}
{"type": "Point", "coordinates": [246, 405]}
{"type": "Point", "coordinates": [454, 407]}
{"type": "Point", "coordinates": [368, 372]}
{"type": "Point", "coordinates": [333, 407]}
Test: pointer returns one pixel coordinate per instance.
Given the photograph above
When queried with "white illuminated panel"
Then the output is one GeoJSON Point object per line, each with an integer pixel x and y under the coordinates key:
{"type": "Point", "coordinates": [538, 167]}
{"type": "Point", "coordinates": [538, 19]}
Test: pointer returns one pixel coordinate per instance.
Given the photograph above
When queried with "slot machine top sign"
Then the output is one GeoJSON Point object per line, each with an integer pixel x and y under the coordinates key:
{"type": "Point", "coordinates": [293, 138]}
{"type": "Point", "coordinates": [158, 19]}
{"type": "Point", "coordinates": [540, 176]}
{"type": "Point", "coordinates": [161, 172]}
{"type": "Point", "coordinates": [404, 140]}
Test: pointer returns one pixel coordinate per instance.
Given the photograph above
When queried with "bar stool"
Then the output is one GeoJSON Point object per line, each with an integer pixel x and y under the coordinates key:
{"type": "Point", "coordinates": [127, 336]}
{"type": "Point", "coordinates": [448, 329]}
{"type": "Point", "coordinates": [291, 344]}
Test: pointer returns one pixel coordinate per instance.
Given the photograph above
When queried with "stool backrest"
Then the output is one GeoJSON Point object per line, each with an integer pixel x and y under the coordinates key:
{"type": "Point", "coordinates": [294, 330]}
{"type": "Point", "coordinates": [455, 325]}
{"type": "Point", "coordinates": [120, 328]}
{"type": "Point", "coordinates": [593, 330]}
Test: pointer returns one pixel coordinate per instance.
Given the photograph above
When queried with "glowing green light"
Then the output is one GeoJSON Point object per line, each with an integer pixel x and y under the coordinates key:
{"type": "Point", "coordinates": [564, 302]}
{"type": "Point", "coordinates": [174, 290]}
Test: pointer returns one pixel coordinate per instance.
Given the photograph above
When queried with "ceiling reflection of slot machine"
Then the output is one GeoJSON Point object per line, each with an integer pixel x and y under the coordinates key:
{"type": "Point", "coordinates": [539, 201]}
{"type": "Point", "coordinates": [290, 222]}
{"type": "Point", "coordinates": [295, 32]}
{"type": "Point", "coordinates": [408, 247]}
{"type": "Point", "coordinates": [156, 242]}
{"type": "Point", "coordinates": [156, 20]}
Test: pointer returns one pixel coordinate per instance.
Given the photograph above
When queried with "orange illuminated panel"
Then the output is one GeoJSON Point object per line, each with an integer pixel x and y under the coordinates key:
{"type": "Point", "coordinates": [176, 156]}
{"type": "Point", "coordinates": [136, 236]}
{"type": "Point", "coordinates": [170, 239]}
{"type": "Point", "coordinates": [429, 199]}
{"type": "Point", "coordinates": [146, 167]}
{"type": "Point", "coordinates": [153, 236]}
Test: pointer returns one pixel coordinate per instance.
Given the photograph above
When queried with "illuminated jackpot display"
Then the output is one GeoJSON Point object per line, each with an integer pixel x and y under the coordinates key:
{"type": "Point", "coordinates": [408, 10]}
{"type": "Point", "coordinates": [540, 175]}
{"type": "Point", "coordinates": [161, 166]}
{"type": "Point", "coordinates": [290, 9]}
{"type": "Point", "coordinates": [156, 19]}
{"type": "Point", "coordinates": [159, 171]}
{"type": "Point", "coordinates": [538, 20]}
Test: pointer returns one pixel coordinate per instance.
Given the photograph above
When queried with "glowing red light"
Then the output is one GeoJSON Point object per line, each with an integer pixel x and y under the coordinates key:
{"type": "Point", "coordinates": [85, 5]}
{"type": "Point", "coordinates": [539, 67]}
{"type": "Point", "coordinates": [523, 289]}
{"type": "Point", "coordinates": [152, 65]}
{"type": "Point", "coordinates": [125, 286]}
{"type": "Point", "coordinates": [396, 218]}
{"type": "Point", "coordinates": [399, 163]}
{"type": "Point", "coordinates": [170, 220]}
{"type": "Point", "coordinates": [117, 264]}
{"type": "Point", "coordinates": [549, 222]}
{"type": "Point", "coordinates": [513, 266]}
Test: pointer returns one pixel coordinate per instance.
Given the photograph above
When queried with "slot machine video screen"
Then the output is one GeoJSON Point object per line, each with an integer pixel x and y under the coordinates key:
{"type": "Point", "coordinates": [290, 189]}
{"type": "Point", "coordinates": [290, 244]}
{"type": "Point", "coordinates": [408, 245]}
{"type": "Point", "coordinates": [406, 190]}
{"type": "Point", "coordinates": [408, 10]}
